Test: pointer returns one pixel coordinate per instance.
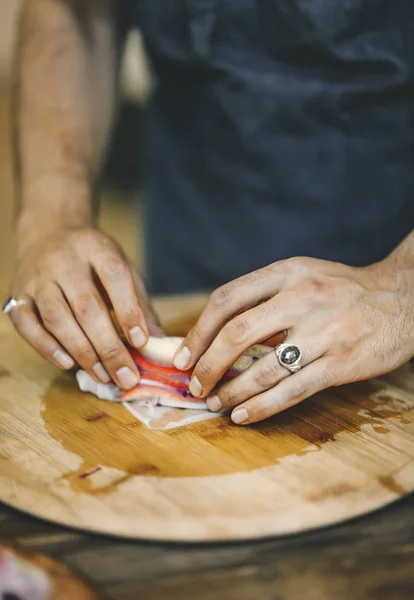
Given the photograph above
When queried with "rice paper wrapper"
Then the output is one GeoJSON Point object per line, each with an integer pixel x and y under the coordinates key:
{"type": "Point", "coordinates": [153, 409]}
{"type": "Point", "coordinates": [166, 417]}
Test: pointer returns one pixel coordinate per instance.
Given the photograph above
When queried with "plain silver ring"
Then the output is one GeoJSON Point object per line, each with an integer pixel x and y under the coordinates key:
{"type": "Point", "coordinates": [12, 303]}
{"type": "Point", "coordinates": [289, 357]}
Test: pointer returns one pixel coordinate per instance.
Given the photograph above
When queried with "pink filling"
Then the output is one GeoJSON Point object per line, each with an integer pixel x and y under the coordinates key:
{"type": "Point", "coordinates": [162, 385]}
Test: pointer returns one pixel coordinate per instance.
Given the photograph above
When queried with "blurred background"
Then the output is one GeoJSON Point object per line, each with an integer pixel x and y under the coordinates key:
{"type": "Point", "coordinates": [121, 195]}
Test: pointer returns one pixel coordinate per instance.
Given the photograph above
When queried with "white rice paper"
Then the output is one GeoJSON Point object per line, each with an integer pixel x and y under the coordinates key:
{"type": "Point", "coordinates": [166, 417]}
{"type": "Point", "coordinates": [148, 412]}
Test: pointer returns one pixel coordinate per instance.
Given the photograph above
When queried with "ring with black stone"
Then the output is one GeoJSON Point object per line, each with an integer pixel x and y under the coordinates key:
{"type": "Point", "coordinates": [289, 357]}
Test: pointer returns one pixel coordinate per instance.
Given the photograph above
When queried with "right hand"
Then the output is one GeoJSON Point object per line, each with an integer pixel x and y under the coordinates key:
{"type": "Point", "coordinates": [72, 279]}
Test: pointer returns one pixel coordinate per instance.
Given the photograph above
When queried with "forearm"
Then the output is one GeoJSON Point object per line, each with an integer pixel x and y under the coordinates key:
{"type": "Point", "coordinates": [67, 65]}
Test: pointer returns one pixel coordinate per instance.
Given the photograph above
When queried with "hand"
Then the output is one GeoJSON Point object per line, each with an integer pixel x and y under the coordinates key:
{"type": "Point", "coordinates": [73, 278]}
{"type": "Point", "coordinates": [349, 323]}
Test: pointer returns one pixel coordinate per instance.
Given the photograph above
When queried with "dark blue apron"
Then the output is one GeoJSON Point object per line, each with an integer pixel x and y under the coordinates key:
{"type": "Point", "coordinates": [278, 128]}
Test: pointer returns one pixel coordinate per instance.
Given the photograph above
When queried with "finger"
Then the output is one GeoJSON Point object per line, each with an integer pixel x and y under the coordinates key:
{"type": "Point", "coordinates": [117, 280]}
{"type": "Point", "coordinates": [224, 303]}
{"type": "Point", "coordinates": [59, 320]}
{"type": "Point", "coordinates": [28, 325]}
{"type": "Point", "coordinates": [151, 317]}
{"type": "Point", "coordinates": [93, 317]}
{"type": "Point", "coordinates": [236, 337]}
{"type": "Point", "coordinates": [313, 378]}
{"type": "Point", "coordinates": [262, 375]}
{"type": "Point", "coordinates": [275, 340]}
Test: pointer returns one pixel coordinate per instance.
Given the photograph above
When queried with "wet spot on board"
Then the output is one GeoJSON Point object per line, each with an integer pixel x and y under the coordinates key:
{"type": "Point", "coordinates": [4, 372]}
{"type": "Point", "coordinates": [147, 470]}
{"type": "Point", "coordinates": [389, 482]}
{"type": "Point", "coordinates": [215, 447]}
{"type": "Point", "coordinates": [333, 491]}
{"type": "Point", "coordinates": [321, 437]}
{"type": "Point", "coordinates": [84, 483]}
{"type": "Point", "coordinates": [96, 417]}
{"type": "Point", "coordinates": [379, 429]}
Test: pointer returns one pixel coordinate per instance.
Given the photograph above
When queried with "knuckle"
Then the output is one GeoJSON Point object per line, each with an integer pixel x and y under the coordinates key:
{"type": "Point", "coordinates": [344, 351]}
{"type": "Point", "coordinates": [86, 305]}
{"type": "Point", "coordinates": [327, 379]}
{"type": "Point", "coordinates": [220, 297]}
{"type": "Point", "coordinates": [50, 313]}
{"type": "Point", "coordinates": [269, 370]}
{"type": "Point", "coordinates": [229, 397]}
{"type": "Point", "coordinates": [237, 330]}
{"type": "Point", "coordinates": [85, 355]}
{"type": "Point", "coordinates": [196, 334]}
{"type": "Point", "coordinates": [343, 339]}
{"type": "Point", "coordinates": [298, 390]}
{"type": "Point", "coordinates": [115, 269]}
{"type": "Point", "coordinates": [76, 236]}
{"type": "Point", "coordinates": [204, 369]}
{"type": "Point", "coordinates": [128, 317]}
{"type": "Point", "coordinates": [109, 352]}
{"type": "Point", "coordinates": [82, 236]}
{"type": "Point", "coordinates": [339, 332]}
{"type": "Point", "coordinates": [315, 287]}
{"type": "Point", "coordinates": [297, 264]}
{"type": "Point", "coordinates": [104, 241]}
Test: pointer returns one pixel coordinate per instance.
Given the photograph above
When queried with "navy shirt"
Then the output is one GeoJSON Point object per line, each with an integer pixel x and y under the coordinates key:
{"type": "Point", "coordinates": [278, 128]}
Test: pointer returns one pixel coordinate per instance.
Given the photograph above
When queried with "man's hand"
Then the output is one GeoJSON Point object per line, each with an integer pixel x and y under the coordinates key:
{"type": "Point", "coordinates": [67, 66]}
{"type": "Point", "coordinates": [72, 279]}
{"type": "Point", "coordinates": [349, 323]}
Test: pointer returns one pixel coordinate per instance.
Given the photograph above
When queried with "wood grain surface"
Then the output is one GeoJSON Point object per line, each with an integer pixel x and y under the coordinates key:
{"type": "Point", "coordinates": [70, 458]}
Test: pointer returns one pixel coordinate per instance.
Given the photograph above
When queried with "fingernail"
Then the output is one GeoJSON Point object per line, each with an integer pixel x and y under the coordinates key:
{"type": "Point", "coordinates": [127, 378]}
{"type": "Point", "coordinates": [137, 337]}
{"type": "Point", "coordinates": [214, 404]}
{"type": "Point", "coordinates": [195, 387]}
{"type": "Point", "coordinates": [182, 359]}
{"type": "Point", "coordinates": [239, 416]}
{"type": "Point", "coordinates": [100, 372]}
{"type": "Point", "coordinates": [63, 359]}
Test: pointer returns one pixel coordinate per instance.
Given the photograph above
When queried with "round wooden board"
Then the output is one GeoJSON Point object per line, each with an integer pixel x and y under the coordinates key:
{"type": "Point", "coordinates": [72, 459]}
{"type": "Point", "coordinates": [62, 583]}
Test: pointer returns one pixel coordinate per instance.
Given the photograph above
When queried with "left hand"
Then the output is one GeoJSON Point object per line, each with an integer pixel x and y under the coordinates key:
{"type": "Point", "coordinates": [349, 323]}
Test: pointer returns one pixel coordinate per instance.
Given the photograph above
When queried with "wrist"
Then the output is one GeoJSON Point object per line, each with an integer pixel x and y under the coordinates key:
{"type": "Point", "coordinates": [52, 206]}
{"type": "Point", "coordinates": [395, 276]}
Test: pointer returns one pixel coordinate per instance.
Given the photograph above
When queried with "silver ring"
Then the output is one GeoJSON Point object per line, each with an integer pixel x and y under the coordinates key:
{"type": "Point", "coordinates": [13, 303]}
{"type": "Point", "coordinates": [289, 357]}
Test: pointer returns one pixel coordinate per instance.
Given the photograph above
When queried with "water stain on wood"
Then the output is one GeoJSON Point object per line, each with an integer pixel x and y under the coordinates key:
{"type": "Point", "coordinates": [389, 482]}
{"type": "Point", "coordinates": [380, 429]}
{"type": "Point", "coordinates": [4, 372]}
{"type": "Point", "coordinates": [96, 417]}
{"type": "Point", "coordinates": [336, 491]}
{"type": "Point", "coordinates": [104, 434]}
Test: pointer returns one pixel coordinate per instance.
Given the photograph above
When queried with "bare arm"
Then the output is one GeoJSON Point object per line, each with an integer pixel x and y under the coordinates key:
{"type": "Point", "coordinates": [67, 65]}
{"type": "Point", "coordinates": [68, 269]}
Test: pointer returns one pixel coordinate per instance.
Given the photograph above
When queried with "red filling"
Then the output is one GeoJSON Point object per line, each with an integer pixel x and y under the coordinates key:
{"type": "Point", "coordinates": [166, 375]}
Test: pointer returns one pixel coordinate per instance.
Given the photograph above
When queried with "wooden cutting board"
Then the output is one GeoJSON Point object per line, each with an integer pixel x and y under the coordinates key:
{"type": "Point", "coordinates": [72, 459]}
